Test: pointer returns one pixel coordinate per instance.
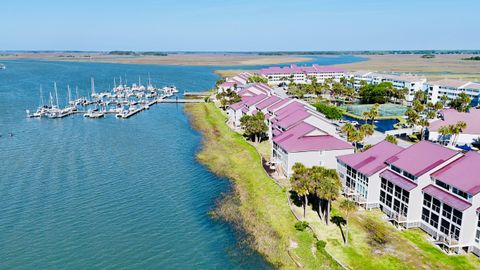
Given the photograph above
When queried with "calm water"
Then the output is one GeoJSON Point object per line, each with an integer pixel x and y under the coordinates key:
{"type": "Point", "coordinates": [79, 193]}
{"type": "Point", "coordinates": [380, 125]}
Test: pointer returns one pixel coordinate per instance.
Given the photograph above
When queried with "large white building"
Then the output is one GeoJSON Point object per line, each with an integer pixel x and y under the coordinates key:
{"type": "Point", "coordinates": [451, 88]}
{"type": "Point", "coordinates": [360, 173]}
{"type": "Point", "coordinates": [412, 82]}
{"type": "Point", "coordinates": [425, 185]}
{"type": "Point", "coordinates": [451, 117]}
{"type": "Point", "coordinates": [301, 74]}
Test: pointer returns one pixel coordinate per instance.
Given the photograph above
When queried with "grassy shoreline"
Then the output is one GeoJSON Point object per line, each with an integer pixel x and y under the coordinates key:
{"type": "Point", "coordinates": [257, 205]}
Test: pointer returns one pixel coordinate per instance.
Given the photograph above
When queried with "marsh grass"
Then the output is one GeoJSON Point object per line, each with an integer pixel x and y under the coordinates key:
{"type": "Point", "coordinates": [257, 205]}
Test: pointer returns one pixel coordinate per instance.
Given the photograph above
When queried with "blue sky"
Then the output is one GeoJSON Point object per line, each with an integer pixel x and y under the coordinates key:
{"type": "Point", "coordinates": [239, 25]}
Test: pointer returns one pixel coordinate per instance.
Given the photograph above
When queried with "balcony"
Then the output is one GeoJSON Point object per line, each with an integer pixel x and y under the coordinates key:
{"type": "Point", "coordinates": [354, 195]}
{"type": "Point", "coordinates": [394, 216]}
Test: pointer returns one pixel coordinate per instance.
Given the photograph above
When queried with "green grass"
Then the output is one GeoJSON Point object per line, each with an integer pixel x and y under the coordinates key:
{"type": "Point", "coordinates": [408, 249]}
{"type": "Point", "coordinates": [264, 214]}
{"type": "Point", "coordinates": [262, 205]}
{"type": "Point", "coordinates": [431, 252]}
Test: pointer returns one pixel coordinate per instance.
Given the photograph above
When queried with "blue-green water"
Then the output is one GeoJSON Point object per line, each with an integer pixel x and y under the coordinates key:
{"type": "Point", "coordinates": [80, 193]}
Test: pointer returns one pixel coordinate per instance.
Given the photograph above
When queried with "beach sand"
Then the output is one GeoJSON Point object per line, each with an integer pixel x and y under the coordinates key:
{"type": "Point", "coordinates": [171, 59]}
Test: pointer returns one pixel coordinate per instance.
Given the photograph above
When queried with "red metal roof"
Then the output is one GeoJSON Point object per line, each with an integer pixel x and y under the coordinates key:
{"type": "Point", "coordinates": [446, 197]}
{"type": "Point", "coordinates": [398, 180]}
{"type": "Point", "coordinates": [421, 157]}
{"type": "Point", "coordinates": [296, 139]}
{"type": "Point", "coordinates": [372, 160]}
{"type": "Point", "coordinates": [462, 173]}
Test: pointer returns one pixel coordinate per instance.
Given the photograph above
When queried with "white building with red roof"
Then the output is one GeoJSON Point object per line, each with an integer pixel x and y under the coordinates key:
{"type": "Point", "coordinates": [407, 174]}
{"type": "Point", "coordinates": [234, 82]}
{"type": "Point", "coordinates": [451, 202]}
{"type": "Point", "coordinates": [301, 74]}
{"type": "Point", "coordinates": [451, 117]}
{"type": "Point", "coordinates": [308, 145]}
{"type": "Point", "coordinates": [425, 185]}
{"type": "Point", "coordinates": [245, 107]}
{"type": "Point", "coordinates": [360, 173]}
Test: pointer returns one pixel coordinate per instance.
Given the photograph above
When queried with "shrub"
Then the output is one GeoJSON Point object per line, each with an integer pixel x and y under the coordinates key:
{"type": "Point", "coordinates": [331, 112]}
{"type": "Point", "coordinates": [301, 225]}
{"type": "Point", "coordinates": [378, 234]}
{"type": "Point", "coordinates": [321, 244]}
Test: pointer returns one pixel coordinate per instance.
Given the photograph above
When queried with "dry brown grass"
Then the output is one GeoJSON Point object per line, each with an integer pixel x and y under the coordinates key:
{"type": "Point", "coordinates": [171, 59]}
{"type": "Point", "coordinates": [451, 63]}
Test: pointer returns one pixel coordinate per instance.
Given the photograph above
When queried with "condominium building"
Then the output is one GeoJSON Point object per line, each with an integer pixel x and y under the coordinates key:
{"type": "Point", "coordinates": [451, 88]}
{"type": "Point", "coordinates": [425, 185]}
{"type": "Point", "coordinates": [301, 74]}
{"type": "Point", "coordinates": [451, 117]}
{"type": "Point", "coordinates": [360, 173]}
{"type": "Point", "coordinates": [308, 145]}
{"type": "Point", "coordinates": [411, 82]}
{"type": "Point", "coordinates": [235, 81]}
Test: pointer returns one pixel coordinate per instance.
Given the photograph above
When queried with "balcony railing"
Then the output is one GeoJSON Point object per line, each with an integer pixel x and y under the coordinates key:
{"type": "Point", "coordinates": [394, 216]}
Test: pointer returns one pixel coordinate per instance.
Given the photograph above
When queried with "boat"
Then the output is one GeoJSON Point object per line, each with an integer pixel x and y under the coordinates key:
{"type": "Point", "coordinates": [2, 66]}
{"type": "Point", "coordinates": [94, 114]}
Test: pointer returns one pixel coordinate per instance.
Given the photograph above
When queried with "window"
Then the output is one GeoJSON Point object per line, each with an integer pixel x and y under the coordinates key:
{"type": "Point", "coordinates": [436, 205]}
{"type": "Point", "coordinates": [409, 175]}
{"type": "Point", "coordinates": [447, 211]}
{"type": "Point", "coordinates": [461, 193]}
{"type": "Point", "coordinates": [425, 214]}
{"type": "Point", "coordinates": [427, 200]}
{"type": "Point", "coordinates": [398, 170]}
{"type": "Point", "coordinates": [457, 217]}
{"type": "Point", "coordinates": [442, 184]}
{"type": "Point", "coordinates": [434, 220]}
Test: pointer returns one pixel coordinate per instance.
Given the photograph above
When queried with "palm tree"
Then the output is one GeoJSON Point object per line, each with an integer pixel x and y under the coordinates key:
{"type": "Point", "coordinates": [348, 128]}
{"type": "Point", "coordinates": [372, 113]}
{"type": "Point", "coordinates": [445, 131]}
{"type": "Point", "coordinates": [391, 139]}
{"type": "Point", "coordinates": [347, 206]}
{"type": "Point", "coordinates": [300, 183]}
{"type": "Point", "coordinates": [327, 187]}
{"type": "Point", "coordinates": [367, 130]}
{"type": "Point", "coordinates": [457, 129]}
{"type": "Point", "coordinates": [332, 189]}
{"type": "Point", "coordinates": [424, 124]}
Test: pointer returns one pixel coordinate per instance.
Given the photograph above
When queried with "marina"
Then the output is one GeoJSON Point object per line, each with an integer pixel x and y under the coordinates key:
{"type": "Point", "coordinates": [123, 101]}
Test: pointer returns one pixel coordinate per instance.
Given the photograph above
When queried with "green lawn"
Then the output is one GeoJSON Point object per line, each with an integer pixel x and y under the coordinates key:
{"type": "Point", "coordinates": [408, 249]}
{"type": "Point", "coordinates": [262, 204]}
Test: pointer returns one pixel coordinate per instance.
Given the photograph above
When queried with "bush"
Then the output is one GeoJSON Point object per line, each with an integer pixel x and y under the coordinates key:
{"type": "Point", "coordinates": [378, 234]}
{"type": "Point", "coordinates": [321, 244]}
{"type": "Point", "coordinates": [331, 112]}
{"type": "Point", "coordinates": [301, 225]}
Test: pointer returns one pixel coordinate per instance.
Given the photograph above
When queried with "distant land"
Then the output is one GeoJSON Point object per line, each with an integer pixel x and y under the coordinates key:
{"type": "Point", "coordinates": [434, 64]}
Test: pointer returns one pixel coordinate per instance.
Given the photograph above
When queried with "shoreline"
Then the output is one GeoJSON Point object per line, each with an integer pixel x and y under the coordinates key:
{"type": "Point", "coordinates": [172, 59]}
{"type": "Point", "coordinates": [259, 206]}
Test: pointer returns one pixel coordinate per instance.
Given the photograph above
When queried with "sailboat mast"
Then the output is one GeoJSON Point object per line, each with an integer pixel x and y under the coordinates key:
{"type": "Point", "coordinates": [41, 96]}
{"type": "Point", "coordinates": [92, 82]}
{"type": "Point", "coordinates": [51, 100]}
{"type": "Point", "coordinates": [69, 94]}
{"type": "Point", "coordinates": [56, 92]}
{"type": "Point", "coordinates": [76, 90]}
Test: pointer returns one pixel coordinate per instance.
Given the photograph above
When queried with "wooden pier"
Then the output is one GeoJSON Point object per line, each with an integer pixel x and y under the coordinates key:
{"type": "Point", "coordinates": [182, 101]}
{"type": "Point", "coordinates": [197, 94]}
